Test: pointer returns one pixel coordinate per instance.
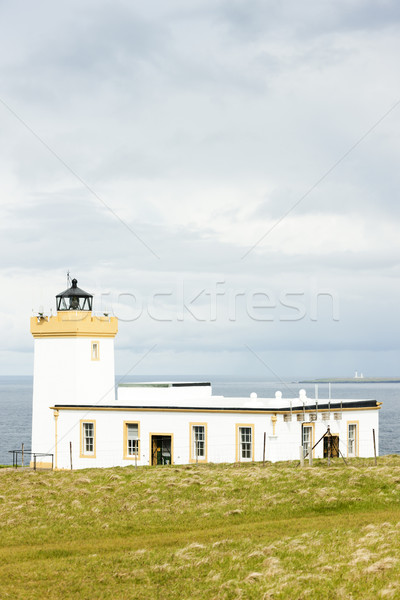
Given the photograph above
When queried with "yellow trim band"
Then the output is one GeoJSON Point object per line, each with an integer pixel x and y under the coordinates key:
{"type": "Point", "coordinates": [74, 324]}
{"type": "Point", "coordinates": [41, 465]}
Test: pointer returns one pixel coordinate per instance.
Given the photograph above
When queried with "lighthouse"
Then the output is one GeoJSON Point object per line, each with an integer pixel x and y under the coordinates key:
{"type": "Point", "coordinates": [80, 422]}
{"type": "Point", "coordinates": [73, 363]}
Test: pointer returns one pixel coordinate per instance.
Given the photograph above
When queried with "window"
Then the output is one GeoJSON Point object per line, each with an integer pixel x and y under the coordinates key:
{"type": "Point", "coordinates": [245, 441]}
{"type": "Point", "coordinates": [307, 439]}
{"type": "Point", "coordinates": [198, 442]}
{"type": "Point", "coordinates": [131, 440]}
{"type": "Point", "coordinates": [352, 440]}
{"type": "Point", "coordinates": [88, 439]}
{"type": "Point", "coordinates": [95, 351]}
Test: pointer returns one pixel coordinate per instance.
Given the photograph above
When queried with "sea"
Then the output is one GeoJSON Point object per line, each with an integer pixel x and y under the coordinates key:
{"type": "Point", "coordinates": [16, 403]}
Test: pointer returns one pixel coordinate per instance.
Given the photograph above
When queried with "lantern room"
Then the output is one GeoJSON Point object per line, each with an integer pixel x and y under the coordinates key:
{"type": "Point", "coordinates": [74, 299]}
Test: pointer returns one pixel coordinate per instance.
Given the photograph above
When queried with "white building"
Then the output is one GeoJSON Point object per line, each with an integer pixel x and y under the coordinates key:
{"type": "Point", "coordinates": [79, 419]}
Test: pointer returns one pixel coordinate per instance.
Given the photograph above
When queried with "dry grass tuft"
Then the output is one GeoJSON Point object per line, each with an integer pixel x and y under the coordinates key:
{"type": "Point", "coordinates": [252, 577]}
{"type": "Point", "coordinates": [382, 565]}
{"type": "Point", "coordinates": [362, 555]}
{"type": "Point", "coordinates": [272, 566]}
{"type": "Point", "coordinates": [83, 480]}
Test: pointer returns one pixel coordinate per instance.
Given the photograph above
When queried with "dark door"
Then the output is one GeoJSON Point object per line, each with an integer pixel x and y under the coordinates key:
{"type": "Point", "coordinates": [334, 446]}
{"type": "Point", "coordinates": [161, 449]}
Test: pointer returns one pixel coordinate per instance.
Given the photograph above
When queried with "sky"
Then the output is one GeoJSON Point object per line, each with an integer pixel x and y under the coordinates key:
{"type": "Point", "coordinates": [223, 176]}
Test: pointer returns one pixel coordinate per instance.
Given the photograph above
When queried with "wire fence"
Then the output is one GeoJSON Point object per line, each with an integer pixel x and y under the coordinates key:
{"type": "Point", "coordinates": [176, 449]}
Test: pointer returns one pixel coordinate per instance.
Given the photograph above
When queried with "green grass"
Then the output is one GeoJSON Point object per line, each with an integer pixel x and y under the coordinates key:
{"type": "Point", "coordinates": [215, 532]}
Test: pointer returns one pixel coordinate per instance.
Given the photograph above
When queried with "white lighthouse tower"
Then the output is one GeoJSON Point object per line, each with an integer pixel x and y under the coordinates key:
{"type": "Point", "coordinates": [73, 364]}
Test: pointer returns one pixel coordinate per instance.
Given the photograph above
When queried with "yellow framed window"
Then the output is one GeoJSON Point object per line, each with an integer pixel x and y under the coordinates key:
{"type": "Point", "coordinates": [95, 350]}
{"type": "Point", "coordinates": [198, 442]}
{"type": "Point", "coordinates": [244, 442]}
{"type": "Point", "coordinates": [307, 439]}
{"type": "Point", "coordinates": [131, 439]}
{"type": "Point", "coordinates": [352, 439]}
{"type": "Point", "coordinates": [88, 439]}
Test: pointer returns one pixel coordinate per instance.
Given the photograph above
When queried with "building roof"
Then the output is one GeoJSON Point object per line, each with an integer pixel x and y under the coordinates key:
{"type": "Point", "coordinates": [335, 406]}
{"type": "Point", "coordinates": [74, 290]}
{"type": "Point", "coordinates": [165, 384]}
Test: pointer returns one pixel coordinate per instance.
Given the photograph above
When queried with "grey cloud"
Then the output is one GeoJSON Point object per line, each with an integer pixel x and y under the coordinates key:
{"type": "Point", "coordinates": [229, 111]}
{"type": "Point", "coordinates": [76, 230]}
{"type": "Point", "coordinates": [291, 18]}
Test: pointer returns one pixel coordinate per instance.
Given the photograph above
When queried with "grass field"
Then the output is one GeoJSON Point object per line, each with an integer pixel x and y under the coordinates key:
{"type": "Point", "coordinates": [202, 532]}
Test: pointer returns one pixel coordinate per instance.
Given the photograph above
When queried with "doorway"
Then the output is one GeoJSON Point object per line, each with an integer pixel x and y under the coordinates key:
{"type": "Point", "coordinates": [334, 446]}
{"type": "Point", "coordinates": [161, 450]}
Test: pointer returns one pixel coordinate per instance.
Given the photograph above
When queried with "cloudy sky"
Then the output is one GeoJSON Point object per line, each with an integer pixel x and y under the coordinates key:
{"type": "Point", "coordinates": [222, 175]}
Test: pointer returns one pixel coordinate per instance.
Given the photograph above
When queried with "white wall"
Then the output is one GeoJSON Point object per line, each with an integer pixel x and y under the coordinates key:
{"type": "Point", "coordinates": [64, 373]}
{"type": "Point", "coordinates": [221, 435]}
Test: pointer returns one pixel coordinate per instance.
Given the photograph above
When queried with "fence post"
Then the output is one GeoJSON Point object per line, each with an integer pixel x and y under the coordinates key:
{"type": "Point", "coordinates": [22, 455]}
{"type": "Point", "coordinates": [373, 435]}
{"type": "Point", "coordinates": [265, 439]}
{"type": "Point", "coordinates": [70, 454]}
{"type": "Point", "coordinates": [329, 446]}
{"type": "Point", "coordinates": [137, 453]}
{"type": "Point", "coordinates": [301, 451]}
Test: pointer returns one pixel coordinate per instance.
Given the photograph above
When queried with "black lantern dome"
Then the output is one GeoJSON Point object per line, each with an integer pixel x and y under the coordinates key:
{"type": "Point", "coordinates": [74, 299]}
